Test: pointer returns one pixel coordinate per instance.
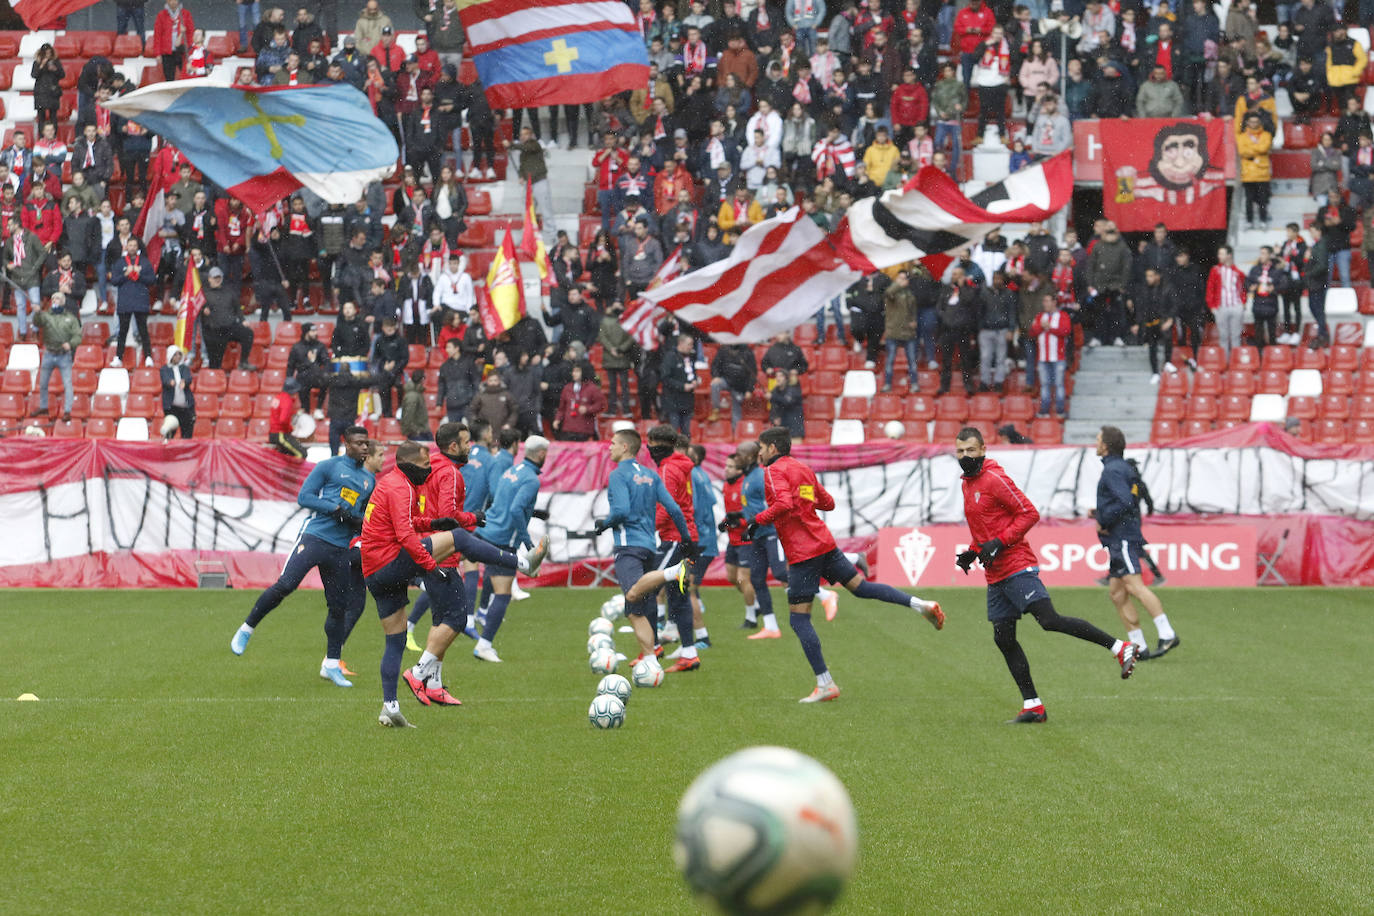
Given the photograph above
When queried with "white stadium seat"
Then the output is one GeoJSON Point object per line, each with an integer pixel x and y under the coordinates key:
{"type": "Point", "coordinates": [1341, 301]}
{"type": "Point", "coordinates": [25, 356]}
{"type": "Point", "coordinates": [859, 383]}
{"type": "Point", "coordinates": [132, 429]}
{"type": "Point", "coordinates": [1268, 408]}
{"type": "Point", "coordinates": [1305, 383]}
{"type": "Point", "coordinates": [113, 381]}
{"type": "Point", "coordinates": [847, 432]}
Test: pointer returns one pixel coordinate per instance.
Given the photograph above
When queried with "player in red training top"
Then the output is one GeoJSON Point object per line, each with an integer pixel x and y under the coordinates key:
{"type": "Point", "coordinates": [393, 554]}
{"type": "Point", "coordinates": [794, 496]}
{"type": "Point", "coordinates": [669, 452]}
{"type": "Point", "coordinates": [999, 515]}
{"type": "Point", "coordinates": [736, 567]}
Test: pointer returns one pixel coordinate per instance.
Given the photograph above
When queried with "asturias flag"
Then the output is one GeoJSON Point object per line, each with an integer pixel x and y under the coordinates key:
{"type": "Point", "coordinates": [39, 13]}
{"type": "Point", "coordinates": [188, 307]}
{"type": "Point", "coordinates": [261, 143]}
{"type": "Point", "coordinates": [554, 52]}
{"type": "Point", "coordinates": [504, 303]}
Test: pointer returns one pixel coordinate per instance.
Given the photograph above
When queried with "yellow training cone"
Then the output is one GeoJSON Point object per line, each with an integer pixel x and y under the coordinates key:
{"type": "Point", "coordinates": [27, 698]}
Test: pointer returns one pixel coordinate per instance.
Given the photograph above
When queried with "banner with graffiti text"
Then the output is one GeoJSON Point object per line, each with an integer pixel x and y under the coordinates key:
{"type": "Point", "coordinates": [93, 513]}
{"type": "Point", "coordinates": [1164, 170]}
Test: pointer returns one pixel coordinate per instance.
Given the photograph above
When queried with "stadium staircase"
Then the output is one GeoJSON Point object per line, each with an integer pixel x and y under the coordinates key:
{"type": "Point", "coordinates": [1113, 390]}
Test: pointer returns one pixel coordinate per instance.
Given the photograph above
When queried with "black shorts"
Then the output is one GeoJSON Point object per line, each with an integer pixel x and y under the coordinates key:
{"type": "Point", "coordinates": [734, 554]}
{"type": "Point", "coordinates": [804, 578]}
{"type": "Point", "coordinates": [1009, 598]}
{"type": "Point", "coordinates": [699, 567]}
{"type": "Point", "coordinates": [390, 585]}
{"type": "Point", "coordinates": [631, 563]}
{"type": "Point", "coordinates": [670, 552]}
{"type": "Point", "coordinates": [765, 553]}
{"type": "Point", "coordinates": [1123, 558]}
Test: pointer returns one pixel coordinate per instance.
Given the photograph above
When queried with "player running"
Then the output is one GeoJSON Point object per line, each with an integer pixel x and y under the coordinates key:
{"type": "Point", "coordinates": [999, 515]}
{"type": "Point", "coordinates": [336, 492]}
{"type": "Point", "coordinates": [507, 525]}
{"type": "Point", "coordinates": [704, 515]}
{"type": "Point", "coordinates": [634, 492]}
{"type": "Point", "coordinates": [794, 496]}
{"type": "Point", "coordinates": [1118, 528]}
{"type": "Point", "coordinates": [668, 450]}
{"type": "Point", "coordinates": [736, 568]}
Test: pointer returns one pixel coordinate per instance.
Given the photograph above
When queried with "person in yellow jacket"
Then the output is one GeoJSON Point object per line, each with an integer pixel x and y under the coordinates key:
{"type": "Point", "coordinates": [738, 213]}
{"type": "Point", "coordinates": [1255, 99]}
{"type": "Point", "coordinates": [1345, 63]}
{"type": "Point", "coordinates": [881, 156]}
{"type": "Point", "coordinates": [1253, 143]}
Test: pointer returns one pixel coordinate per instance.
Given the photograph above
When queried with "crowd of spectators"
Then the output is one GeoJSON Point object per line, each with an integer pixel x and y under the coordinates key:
{"type": "Point", "coordinates": [750, 108]}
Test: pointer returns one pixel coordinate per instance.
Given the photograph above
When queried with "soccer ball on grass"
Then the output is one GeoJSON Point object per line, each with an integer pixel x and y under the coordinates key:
{"type": "Point", "coordinates": [613, 608]}
{"type": "Point", "coordinates": [607, 711]}
{"type": "Point", "coordinates": [647, 672]}
{"type": "Point", "coordinates": [600, 641]}
{"type": "Point", "coordinates": [616, 685]}
{"type": "Point", "coordinates": [600, 625]}
{"type": "Point", "coordinates": [767, 830]}
{"type": "Point", "coordinates": [603, 661]}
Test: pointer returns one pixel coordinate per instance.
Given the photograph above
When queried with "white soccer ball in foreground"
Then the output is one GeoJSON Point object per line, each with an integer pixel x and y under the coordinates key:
{"type": "Point", "coordinates": [647, 672]}
{"type": "Point", "coordinates": [600, 625]}
{"type": "Point", "coordinates": [600, 641]}
{"type": "Point", "coordinates": [894, 429]}
{"type": "Point", "coordinates": [616, 685]}
{"type": "Point", "coordinates": [607, 711]}
{"type": "Point", "coordinates": [767, 830]}
{"type": "Point", "coordinates": [613, 608]}
{"type": "Point", "coordinates": [603, 661]}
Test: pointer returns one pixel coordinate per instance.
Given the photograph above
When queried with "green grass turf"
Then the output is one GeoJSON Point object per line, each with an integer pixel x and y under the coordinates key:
{"type": "Point", "coordinates": [159, 773]}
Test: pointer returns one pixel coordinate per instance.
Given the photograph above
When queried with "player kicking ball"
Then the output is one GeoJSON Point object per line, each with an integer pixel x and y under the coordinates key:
{"type": "Point", "coordinates": [794, 496]}
{"type": "Point", "coordinates": [999, 515]}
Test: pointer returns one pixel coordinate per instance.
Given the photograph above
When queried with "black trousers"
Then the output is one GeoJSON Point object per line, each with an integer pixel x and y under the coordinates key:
{"type": "Point", "coordinates": [217, 339]}
{"type": "Point", "coordinates": [141, 319]}
{"type": "Point", "coordinates": [170, 64]}
{"type": "Point", "coordinates": [287, 444]}
{"type": "Point", "coordinates": [947, 343]}
{"type": "Point", "coordinates": [186, 419]}
{"type": "Point", "coordinates": [1152, 338]}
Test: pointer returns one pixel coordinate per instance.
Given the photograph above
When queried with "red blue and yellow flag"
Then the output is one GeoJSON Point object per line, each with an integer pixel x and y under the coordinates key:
{"type": "Point", "coordinates": [531, 244]}
{"type": "Point", "coordinates": [188, 307]}
{"type": "Point", "coordinates": [554, 52]}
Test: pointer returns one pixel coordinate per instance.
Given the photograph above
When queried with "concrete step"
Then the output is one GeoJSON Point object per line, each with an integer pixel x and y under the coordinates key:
{"type": "Point", "coordinates": [1114, 359]}
{"type": "Point", "coordinates": [1084, 432]}
{"type": "Point", "coordinates": [1099, 381]}
{"type": "Point", "coordinates": [1109, 407]}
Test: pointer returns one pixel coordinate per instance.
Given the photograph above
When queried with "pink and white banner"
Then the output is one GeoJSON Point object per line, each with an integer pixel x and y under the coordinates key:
{"type": "Point", "coordinates": [92, 513]}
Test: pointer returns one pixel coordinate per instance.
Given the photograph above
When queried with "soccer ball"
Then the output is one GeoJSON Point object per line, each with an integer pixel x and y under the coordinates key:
{"type": "Point", "coordinates": [600, 625]}
{"type": "Point", "coordinates": [894, 429]}
{"type": "Point", "coordinates": [603, 661]}
{"type": "Point", "coordinates": [615, 685]}
{"type": "Point", "coordinates": [600, 641]}
{"type": "Point", "coordinates": [767, 829]}
{"type": "Point", "coordinates": [613, 608]}
{"type": "Point", "coordinates": [607, 711]}
{"type": "Point", "coordinates": [647, 672]}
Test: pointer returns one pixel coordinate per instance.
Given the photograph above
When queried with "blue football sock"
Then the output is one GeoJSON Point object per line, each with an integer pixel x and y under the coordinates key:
{"type": "Point", "coordinates": [333, 635]}
{"type": "Point", "coordinates": [486, 592]}
{"type": "Point", "coordinates": [479, 551]}
{"type": "Point", "coordinates": [417, 612]}
{"type": "Point", "coordinates": [357, 604]}
{"type": "Point", "coordinates": [879, 592]}
{"type": "Point", "coordinates": [391, 664]}
{"type": "Point", "coordinates": [470, 582]}
{"type": "Point", "coordinates": [811, 643]}
{"type": "Point", "coordinates": [495, 614]}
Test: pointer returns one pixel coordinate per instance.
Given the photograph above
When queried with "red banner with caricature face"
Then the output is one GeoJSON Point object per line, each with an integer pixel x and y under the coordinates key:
{"type": "Point", "coordinates": [1164, 170]}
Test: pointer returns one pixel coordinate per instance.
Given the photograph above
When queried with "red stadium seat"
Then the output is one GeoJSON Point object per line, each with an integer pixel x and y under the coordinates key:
{"type": "Point", "coordinates": [1247, 358]}
{"type": "Point", "coordinates": [16, 381]}
{"type": "Point", "coordinates": [97, 44]}
{"type": "Point", "coordinates": [128, 46]}
{"type": "Point", "coordinates": [886, 407]}
{"type": "Point", "coordinates": [946, 430]}
{"type": "Point", "coordinates": [748, 430]}
{"type": "Point", "coordinates": [100, 428]}
{"type": "Point", "coordinates": [1211, 357]}
{"type": "Point", "coordinates": [237, 407]}
{"type": "Point", "coordinates": [1017, 408]}
{"type": "Point", "coordinates": [222, 46]}
{"type": "Point", "coordinates": [951, 407]}
{"type": "Point", "coordinates": [145, 381]}
{"type": "Point", "coordinates": [143, 405]}
{"type": "Point", "coordinates": [818, 431]}
{"type": "Point", "coordinates": [229, 427]}
{"type": "Point", "coordinates": [1239, 381]}
{"type": "Point", "coordinates": [1169, 408]}
{"type": "Point", "coordinates": [1046, 431]}
{"type": "Point", "coordinates": [479, 202]}
{"type": "Point", "coordinates": [107, 406]}
{"type": "Point", "coordinates": [918, 409]}
{"type": "Point", "coordinates": [263, 405]}
{"type": "Point", "coordinates": [1306, 358]}
{"type": "Point", "coordinates": [1273, 381]}
{"type": "Point", "coordinates": [1201, 408]}
{"type": "Point", "coordinates": [1207, 383]}
{"type": "Point", "coordinates": [277, 356]}
{"type": "Point", "coordinates": [84, 381]}
{"type": "Point", "coordinates": [1362, 431]}
{"type": "Point", "coordinates": [854, 409]}
{"type": "Point", "coordinates": [1195, 427]}
{"type": "Point", "coordinates": [818, 407]}
{"type": "Point", "coordinates": [714, 431]}
{"type": "Point", "coordinates": [1235, 407]}
{"type": "Point", "coordinates": [827, 383]}
{"type": "Point", "coordinates": [1329, 432]}
{"type": "Point", "coordinates": [12, 406]}
{"type": "Point", "coordinates": [1303, 408]}
{"type": "Point", "coordinates": [271, 380]}
{"type": "Point", "coordinates": [1280, 358]}
{"type": "Point", "coordinates": [928, 381]}
{"type": "Point", "coordinates": [68, 429]}
{"type": "Point", "coordinates": [89, 356]}
{"type": "Point", "coordinates": [1336, 381]}
{"type": "Point", "coordinates": [985, 408]}
{"type": "Point", "coordinates": [1163, 431]}
{"type": "Point", "coordinates": [804, 335]}
{"type": "Point", "coordinates": [242, 381]}
{"type": "Point", "coordinates": [1362, 407]}
{"type": "Point", "coordinates": [259, 428]}
{"type": "Point", "coordinates": [1345, 358]}
{"type": "Point", "coordinates": [833, 358]}
{"type": "Point", "coordinates": [288, 332]}
{"type": "Point", "coordinates": [207, 405]}
{"type": "Point", "coordinates": [1174, 383]}
{"type": "Point", "coordinates": [210, 381]}
{"type": "Point", "coordinates": [1334, 407]}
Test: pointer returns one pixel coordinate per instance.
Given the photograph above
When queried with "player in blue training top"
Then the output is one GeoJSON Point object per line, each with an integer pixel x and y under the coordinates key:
{"type": "Point", "coordinates": [502, 460]}
{"type": "Point", "coordinates": [507, 526]}
{"type": "Point", "coordinates": [336, 492]}
{"type": "Point", "coordinates": [1118, 529]}
{"type": "Point", "coordinates": [635, 492]}
{"type": "Point", "coordinates": [704, 513]}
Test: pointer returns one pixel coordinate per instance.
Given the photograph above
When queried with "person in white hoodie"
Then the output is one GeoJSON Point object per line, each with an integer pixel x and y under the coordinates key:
{"type": "Point", "coordinates": [453, 288]}
{"type": "Point", "coordinates": [768, 121]}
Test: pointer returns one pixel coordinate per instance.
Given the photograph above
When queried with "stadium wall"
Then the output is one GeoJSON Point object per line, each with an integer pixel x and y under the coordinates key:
{"type": "Point", "coordinates": [93, 513]}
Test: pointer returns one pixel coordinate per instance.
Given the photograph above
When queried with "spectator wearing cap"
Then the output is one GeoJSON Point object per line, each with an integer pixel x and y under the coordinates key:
{"type": "Point", "coordinates": [281, 424]}
{"type": "Point", "coordinates": [222, 321]}
{"type": "Point", "coordinates": [389, 54]}
{"type": "Point", "coordinates": [390, 357]}
{"type": "Point", "coordinates": [352, 61]}
{"type": "Point", "coordinates": [306, 359]}
{"type": "Point", "coordinates": [371, 25]}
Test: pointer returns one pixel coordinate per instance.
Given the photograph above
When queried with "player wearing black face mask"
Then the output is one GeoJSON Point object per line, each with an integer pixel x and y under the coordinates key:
{"type": "Point", "coordinates": [999, 516]}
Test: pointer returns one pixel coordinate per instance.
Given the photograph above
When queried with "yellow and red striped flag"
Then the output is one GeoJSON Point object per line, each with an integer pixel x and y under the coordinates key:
{"type": "Point", "coordinates": [531, 244]}
{"type": "Point", "coordinates": [504, 302]}
{"type": "Point", "coordinates": [188, 307]}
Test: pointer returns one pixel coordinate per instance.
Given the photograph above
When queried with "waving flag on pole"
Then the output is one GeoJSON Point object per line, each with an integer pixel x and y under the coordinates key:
{"type": "Point", "coordinates": [780, 268]}
{"type": "Point", "coordinates": [151, 217]}
{"type": "Point", "coordinates": [188, 307]}
{"type": "Point", "coordinates": [531, 244]}
{"type": "Point", "coordinates": [504, 302]}
{"type": "Point", "coordinates": [554, 52]}
{"type": "Point", "coordinates": [641, 319]}
{"type": "Point", "coordinates": [39, 13]}
{"type": "Point", "coordinates": [261, 143]}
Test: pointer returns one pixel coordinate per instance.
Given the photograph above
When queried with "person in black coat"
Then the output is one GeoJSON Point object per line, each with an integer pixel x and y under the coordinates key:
{"type": "Point", "coordinates": [785, 403]}
{"type": "Point", "coordinates": [459, 377]}
{"type": "Point", "coordinates": [344, 386]}
{"type": "Point", "coordinates": [958, 313]}
{"type": "Point", "coordinates": [132, 274]}
{"type": "Point", "coordinates": [47, 72]}
{"type": "Point", "coordinates": [1111, 95]}
{"type": "Point", "coordinates": [390, 356]}
{"type": "Point", "coordinates": [221, 319]}
{"type": "Point", "coordinates": [307, 360]}
{"type": "Point", "coordinates": [680, 381]}
{"type": "Point", "coordinates": [579, 321]}
{"type": "Point", "coordinates": [178, 402]}
{"type": "Point", "coordinates": [1154, 309]}
{"type": "Point", "coordinates": [351, 334]}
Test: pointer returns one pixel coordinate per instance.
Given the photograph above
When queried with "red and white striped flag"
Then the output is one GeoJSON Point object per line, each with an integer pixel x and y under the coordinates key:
{"type": "Point", "coordinates": [783, 269]}
{"type": "Point", "coordinates": [642, 317]}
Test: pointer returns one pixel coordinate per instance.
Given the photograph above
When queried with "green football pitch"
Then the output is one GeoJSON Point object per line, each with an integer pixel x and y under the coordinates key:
{"type": "Point", "coordinates": [158, 773]}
